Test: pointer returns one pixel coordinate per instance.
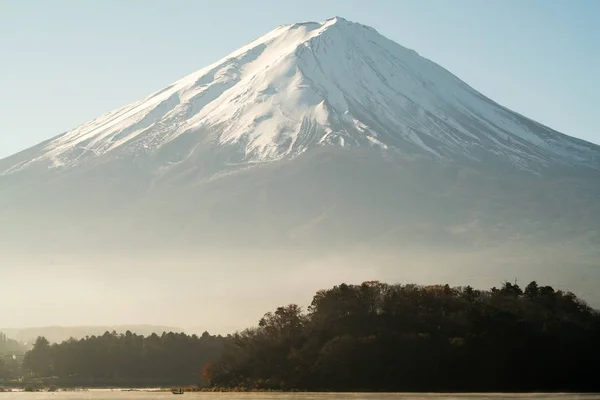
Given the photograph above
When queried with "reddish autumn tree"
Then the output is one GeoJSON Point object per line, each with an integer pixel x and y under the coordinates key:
{"type": "Point", "coordinates": [207, 373]}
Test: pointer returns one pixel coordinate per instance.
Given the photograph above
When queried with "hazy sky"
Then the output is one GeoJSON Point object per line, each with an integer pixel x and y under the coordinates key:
{"type": "Point", "coordinates": [63, 62]}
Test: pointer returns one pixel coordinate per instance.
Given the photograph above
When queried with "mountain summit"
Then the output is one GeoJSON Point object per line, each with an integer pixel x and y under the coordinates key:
{"type": "Point", "coordinates": [319, 152]}
{"type": "Point", "coordinates": [310, 85]}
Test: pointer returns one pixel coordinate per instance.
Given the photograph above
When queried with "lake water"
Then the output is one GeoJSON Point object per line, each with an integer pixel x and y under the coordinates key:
{"type": "Point", "coordinates": [115, 395]}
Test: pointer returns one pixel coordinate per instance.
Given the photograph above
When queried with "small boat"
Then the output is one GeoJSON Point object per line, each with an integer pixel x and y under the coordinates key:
{"type": "Point", "coordinates": [180, 391]}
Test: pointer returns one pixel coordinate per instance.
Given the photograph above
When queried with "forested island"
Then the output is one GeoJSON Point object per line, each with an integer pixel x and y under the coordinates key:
{"type": "Point", "coordinates": [368, 337]}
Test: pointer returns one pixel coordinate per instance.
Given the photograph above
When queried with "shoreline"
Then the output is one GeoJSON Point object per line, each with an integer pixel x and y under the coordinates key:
{"type": "Point", "coordinates": [188, 389]}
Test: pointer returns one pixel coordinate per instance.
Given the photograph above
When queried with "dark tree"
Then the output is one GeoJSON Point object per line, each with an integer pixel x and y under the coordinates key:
{"type": "Point", "coordinates": [413, 338]}
{"type": "Point", "coordinates": [124, 359]}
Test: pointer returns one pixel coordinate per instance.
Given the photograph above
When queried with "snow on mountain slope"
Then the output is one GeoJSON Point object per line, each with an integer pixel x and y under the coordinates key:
{"type": "Point", "coordinates": [367, 152]}
{"type": "Point", "coordinates": [315, 84]}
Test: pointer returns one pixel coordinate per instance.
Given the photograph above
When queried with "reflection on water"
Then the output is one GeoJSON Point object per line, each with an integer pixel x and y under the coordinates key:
{"type": "Point", "coordinates": [146, 395]}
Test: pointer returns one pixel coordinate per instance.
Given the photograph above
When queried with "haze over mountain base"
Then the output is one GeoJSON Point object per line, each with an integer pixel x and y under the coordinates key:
{"type": "Point", "coordinates": [202, 259]}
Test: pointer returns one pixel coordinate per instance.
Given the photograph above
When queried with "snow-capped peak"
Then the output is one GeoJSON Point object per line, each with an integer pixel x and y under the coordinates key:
{"type": "Point", "coordinates": [314, 84]}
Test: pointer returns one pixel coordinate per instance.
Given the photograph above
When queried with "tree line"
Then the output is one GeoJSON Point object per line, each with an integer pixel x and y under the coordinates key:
{"type": "Point", "coordinates": [379, 337]}
{"type": "Point", "coordinates": [368, 337]}
{"type": "Point", "coordinates": [126, 359]}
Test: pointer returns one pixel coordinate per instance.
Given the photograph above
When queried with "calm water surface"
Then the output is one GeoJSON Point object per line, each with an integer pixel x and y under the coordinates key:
{"type": "Point", "coordinates": [115, 395]}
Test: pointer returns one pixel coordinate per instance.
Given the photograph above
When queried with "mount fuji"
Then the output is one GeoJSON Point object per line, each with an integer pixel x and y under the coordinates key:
{"type": "Point", "coordinates": [316, 138]}
{"type": "Point", "coordinates": [311, 85]}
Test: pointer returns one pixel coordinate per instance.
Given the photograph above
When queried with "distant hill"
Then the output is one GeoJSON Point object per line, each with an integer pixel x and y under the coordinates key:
{"type": "Point", "coordinates": [56, 334]}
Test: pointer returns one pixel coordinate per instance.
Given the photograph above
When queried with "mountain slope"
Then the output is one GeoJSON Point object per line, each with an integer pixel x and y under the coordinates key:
{"type": "Point", "coordinates": [318, 152]}
{"type": "Point", "coordinates": [308, 85]}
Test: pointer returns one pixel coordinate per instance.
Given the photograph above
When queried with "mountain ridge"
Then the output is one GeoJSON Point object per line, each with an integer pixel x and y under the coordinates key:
{"type": "Point", "coordinates": [312, 84]}
{"type": "Point", "coordinates": [58, 334]}
{"type": "Point", "coordinates": [318, 152]}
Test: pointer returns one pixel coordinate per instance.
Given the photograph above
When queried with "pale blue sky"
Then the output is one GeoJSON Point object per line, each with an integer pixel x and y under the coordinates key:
{"type": "Point", "coordinates": [63, 62]}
